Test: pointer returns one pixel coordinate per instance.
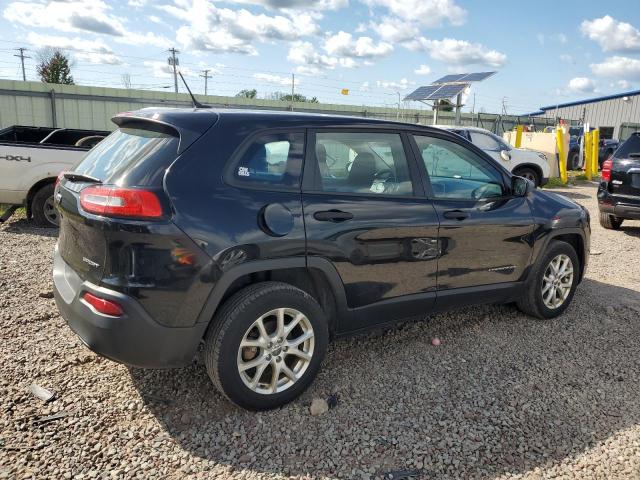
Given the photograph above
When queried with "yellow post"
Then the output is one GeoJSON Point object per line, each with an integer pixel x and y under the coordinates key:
{"type": "Point", "coordinates": [588, 170]}
{"type": "Point", "coordinates": [562, 157]}
{"type": "Point", "coordinates": [595, 140]}
{"type": "Point", "coordinates": [518, 136]}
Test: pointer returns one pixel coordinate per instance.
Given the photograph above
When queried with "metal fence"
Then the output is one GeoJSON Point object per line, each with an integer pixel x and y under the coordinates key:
{"type": "Point", "coordinates": [73, 106]}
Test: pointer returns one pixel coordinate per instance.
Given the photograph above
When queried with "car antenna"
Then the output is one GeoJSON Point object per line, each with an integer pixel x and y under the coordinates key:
{"type": "Point", "coordinates": [196, 103]}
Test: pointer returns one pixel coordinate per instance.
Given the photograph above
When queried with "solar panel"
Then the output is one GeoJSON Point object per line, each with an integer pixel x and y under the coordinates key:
{"type": "Point", "coordinates": [422, 93]}
{"type": "Point", "coordinates": [451, 78]}
{"type": "Point", "coordinates": [447, 91]}
{"type": "Point", "coordinates": [476, 77]}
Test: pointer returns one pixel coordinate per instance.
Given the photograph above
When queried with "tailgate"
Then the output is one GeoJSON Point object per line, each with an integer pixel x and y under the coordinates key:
{"type": "Point", "coordinates": [81, 243]}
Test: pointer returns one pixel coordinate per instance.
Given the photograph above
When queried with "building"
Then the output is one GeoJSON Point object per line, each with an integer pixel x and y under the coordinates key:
{"type": "Point", "coordinates": [617, 116]}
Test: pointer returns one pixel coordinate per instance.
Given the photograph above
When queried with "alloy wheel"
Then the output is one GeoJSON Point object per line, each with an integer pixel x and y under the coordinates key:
{"type": "Point", "coordinates": [50, 212]}
{"type": "Point", "coordinates": [557, 281]}
{"type": "Point", "coordinates": [276, 351]}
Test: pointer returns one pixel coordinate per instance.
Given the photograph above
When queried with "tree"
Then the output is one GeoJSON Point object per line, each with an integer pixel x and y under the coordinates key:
{"type": "Point", "coordinates": [253, 93]}
{"type": "Point", "coordinates": [54, 67]}
{"type": "Point", "coordinates": [297, 97]}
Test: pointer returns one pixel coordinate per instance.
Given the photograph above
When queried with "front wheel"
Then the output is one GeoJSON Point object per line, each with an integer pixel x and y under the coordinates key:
{"type": "Point", "coordinates": [610, 222]}
{"type": "Point", "coordinates": [574, 160]}
{"type": "Point", "coordinates": [529, 174]}
{"type": "Point", "coordinates": [265, 345]}
{"type": "Point", "coordinates": [552, 282]}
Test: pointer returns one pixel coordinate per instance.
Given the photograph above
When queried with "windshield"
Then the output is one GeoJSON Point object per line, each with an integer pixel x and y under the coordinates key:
{"type": "Point", "coordinates": [131, 156]}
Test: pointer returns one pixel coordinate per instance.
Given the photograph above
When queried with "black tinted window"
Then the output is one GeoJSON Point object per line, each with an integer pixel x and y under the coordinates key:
{"type": "Point", "coordinates": [362, 162]}
{"type": "Point", "coordinates": [131, 156]}
{"type": "Point", "coordinates": [630, 147]}
{"type": "Point", "coordinates": [272, 160]}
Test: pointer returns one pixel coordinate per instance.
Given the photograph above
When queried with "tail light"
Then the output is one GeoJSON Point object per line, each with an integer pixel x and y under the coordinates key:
{"type": "Point", "coordinates": [112, 201]}
{"type": "Point", "coordinates": [102, 305]}
{"type": "Point", "coordinates": [605, 174]}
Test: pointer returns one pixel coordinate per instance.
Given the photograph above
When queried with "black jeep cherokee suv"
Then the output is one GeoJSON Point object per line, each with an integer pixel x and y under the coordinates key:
{"type": "Point", "coordinates": [619, 190]}
{"type": "Point", "coordinates": [262, 234]}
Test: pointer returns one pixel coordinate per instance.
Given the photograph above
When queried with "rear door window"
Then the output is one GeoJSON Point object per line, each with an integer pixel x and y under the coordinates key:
{"type": "Point", "coordinates": [270, 161]}
{"type": "Point", "coordinates": [362, 162]}
{"type": "Point", "coordinates": [630, 148]}
{"type": "Point", "coordinates": [132, 156]}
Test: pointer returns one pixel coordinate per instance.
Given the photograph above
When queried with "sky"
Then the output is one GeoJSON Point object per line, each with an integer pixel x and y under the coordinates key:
{"type": "Point", "coordinates": [544, 52]}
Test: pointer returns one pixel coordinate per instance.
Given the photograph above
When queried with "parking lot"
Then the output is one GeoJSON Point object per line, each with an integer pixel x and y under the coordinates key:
{"type": "Point", "coordinates": [503, 396]}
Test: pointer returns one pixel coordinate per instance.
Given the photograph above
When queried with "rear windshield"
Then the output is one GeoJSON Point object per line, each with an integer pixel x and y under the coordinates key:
{"type": "Point", "coordinates": [131, 156]}
{"type": "Point", "coordinates": [630, 147]}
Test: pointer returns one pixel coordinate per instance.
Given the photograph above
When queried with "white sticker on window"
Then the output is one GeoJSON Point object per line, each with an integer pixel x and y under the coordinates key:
{"type": "Point", "coordinates": [243, 172]}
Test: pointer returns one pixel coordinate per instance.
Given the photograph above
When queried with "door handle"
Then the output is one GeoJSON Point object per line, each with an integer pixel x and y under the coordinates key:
{"type": "Point", "coordinates": [456, 215]}
{"type": "Point", "coordinates": [332, 216]}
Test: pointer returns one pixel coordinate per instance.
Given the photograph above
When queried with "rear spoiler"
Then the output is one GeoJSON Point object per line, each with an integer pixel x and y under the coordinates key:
{"type": "Point", "coordinates": [188, 126]}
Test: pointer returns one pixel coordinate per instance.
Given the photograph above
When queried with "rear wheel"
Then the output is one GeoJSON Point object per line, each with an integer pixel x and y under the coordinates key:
{"type": "Point", "coordinates": [610, 222]}
{"type": "Point", "coordinates": [265, 345]}
{"type": "Point", "coordinates": [552, 282]}
{"type": "Point", "coordinates": [43, 209]}
{"type": "Point", "coordinates": [574, 160]}
{"type": "Point", "coordinates": [529, 174]}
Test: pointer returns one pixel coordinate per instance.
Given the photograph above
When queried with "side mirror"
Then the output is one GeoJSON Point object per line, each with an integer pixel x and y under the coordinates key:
{"type": "Point", "coordinates": [504, 155]}
{"type": "Point", "coordinates": [520, 186]}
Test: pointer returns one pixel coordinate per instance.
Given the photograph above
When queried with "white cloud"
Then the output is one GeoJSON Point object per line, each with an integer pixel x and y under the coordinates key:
{"type": "Point", "coordinates": [395, 30]}
{"type": "Point", "coordinates": [77, 16]}
{"type": "Point", "coordinates": [582, 85]}
{"type": "Point", "coordinates": [220, 30]}
{"type": "Point", "coordinates": [459, 52]}
{"type": "Point", "coordinates": [311, 62]}
{"type": "Point", "coordinates": [617, 66]}
{"type": "Point", "coordinates": [93, 51]}
{"type": "Point", "coordinates": [277, 79]}
{"type": "Point", "coordinates": [364, 87]}
{"type": "Point", "coordinates": [298, 4]}
{"type": "Point", "coordinates": [401, 85]}
{"type": "Point", "coordinates": [429, 13]}
{"type": "Point", "coordinates": [343, 44]}
{"type": "Point", "coordinates": [623, 84]}
{"type": "Point", "coordinates": [422, 70]}
{"type": "Point", "coordinates": [612, 35]}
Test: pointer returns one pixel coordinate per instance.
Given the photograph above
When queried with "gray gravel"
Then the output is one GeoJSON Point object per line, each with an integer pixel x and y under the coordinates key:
{"type": "Point", "coordinates": [503, 396]}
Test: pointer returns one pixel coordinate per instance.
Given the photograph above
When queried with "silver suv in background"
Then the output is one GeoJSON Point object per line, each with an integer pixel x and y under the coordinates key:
{"type": "Point", "coordinates": [525, 163]}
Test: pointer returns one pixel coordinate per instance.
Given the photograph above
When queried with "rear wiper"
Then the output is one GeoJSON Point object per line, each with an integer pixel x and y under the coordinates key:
{"type": "Point", "coordinates": [80, 177]}
{"type": "Point", "coordinates": [634, 155]}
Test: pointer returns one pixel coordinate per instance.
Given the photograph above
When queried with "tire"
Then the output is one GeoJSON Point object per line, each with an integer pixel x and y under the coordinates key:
{"type": "Point", "coordinates": [610, 222]}
{"type": "Point", "coordinates": [235, 320]}
{"type": "Point", "coordinates": [529, 174]}
{"type": "Point", "coordinates": [574, 160]}
{"type": "Point", "coordinates": [532, 302]}
{"type": "Point", "coordinates": [43, 210]}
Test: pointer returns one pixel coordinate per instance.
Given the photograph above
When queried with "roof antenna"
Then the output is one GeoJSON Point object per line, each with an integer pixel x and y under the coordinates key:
{"type": "Point", "coordinates": [196, 103]}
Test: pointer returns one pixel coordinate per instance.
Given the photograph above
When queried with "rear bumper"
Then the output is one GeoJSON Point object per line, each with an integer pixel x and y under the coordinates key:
{"type": "Point", "coordinates": [133, 338]}
{"type": "Point", "coordinates": [617, 206]}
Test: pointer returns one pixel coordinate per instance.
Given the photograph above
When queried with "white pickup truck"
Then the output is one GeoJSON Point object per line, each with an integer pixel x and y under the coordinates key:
{"type": "Point", "coordinates": [31, 159]}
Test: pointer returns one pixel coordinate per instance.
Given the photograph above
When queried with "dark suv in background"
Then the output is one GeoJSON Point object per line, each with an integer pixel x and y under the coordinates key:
{"type": "Point", "coordinates": [619, 191]}
{"type": "Point", "coordinates": [261, 235]}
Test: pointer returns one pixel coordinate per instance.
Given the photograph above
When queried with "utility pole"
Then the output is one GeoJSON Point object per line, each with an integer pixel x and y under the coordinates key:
{"type": "Point", "coordinates": [174, 62]}
{"type": "Point", "coordinates": [206, 77]}
{"type": "Point", "coordinates": [293, 85]}
{"type": "Point", "coordinates": [473, 107]}
{"type": "Point", "coordinates": [22, 57]}
{"type": "Point", "coordinates": [504, 105]}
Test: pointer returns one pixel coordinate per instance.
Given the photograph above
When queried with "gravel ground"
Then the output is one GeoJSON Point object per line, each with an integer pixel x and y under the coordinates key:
{"type": "Point", "coordinates": [503, 396]}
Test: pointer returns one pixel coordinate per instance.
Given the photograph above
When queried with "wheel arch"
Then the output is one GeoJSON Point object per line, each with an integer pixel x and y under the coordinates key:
{"type": "Point", "coordinates": [576, 240]}
{"type": "Point", "coordinates": [315, 276]}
